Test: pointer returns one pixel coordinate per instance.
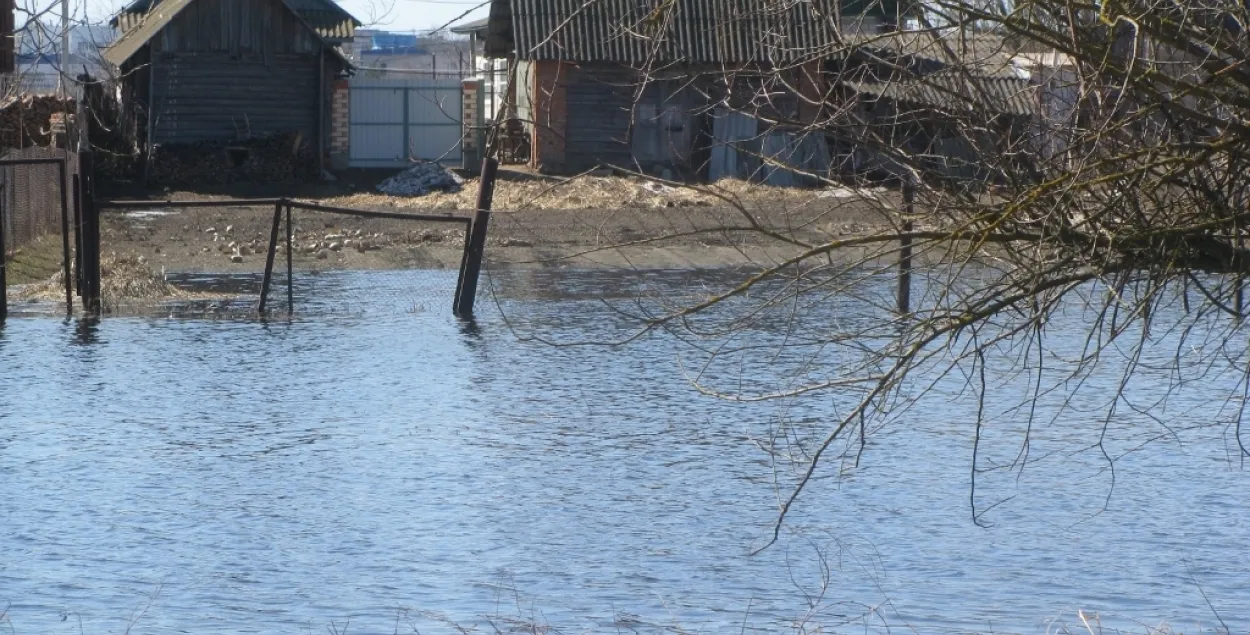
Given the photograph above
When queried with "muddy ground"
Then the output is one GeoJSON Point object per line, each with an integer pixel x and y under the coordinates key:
{"type": "Point", "coordinates": [538, 222]}
{"type": "Point", "coordinates": [605, 222]}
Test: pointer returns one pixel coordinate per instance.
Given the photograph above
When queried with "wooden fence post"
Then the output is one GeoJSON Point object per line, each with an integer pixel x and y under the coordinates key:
{"type": "Point", "coordinates": [475, 245]}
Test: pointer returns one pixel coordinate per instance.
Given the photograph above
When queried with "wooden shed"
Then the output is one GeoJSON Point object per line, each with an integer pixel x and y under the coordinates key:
{"type": "Point", "coordinates": [637, 84]}
{"type": "Point", "coordinates": [221, 70]}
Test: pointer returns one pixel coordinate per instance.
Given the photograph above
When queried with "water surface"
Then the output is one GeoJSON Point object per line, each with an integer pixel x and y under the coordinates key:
{"type": "Point", "coordinates": [377, 463]}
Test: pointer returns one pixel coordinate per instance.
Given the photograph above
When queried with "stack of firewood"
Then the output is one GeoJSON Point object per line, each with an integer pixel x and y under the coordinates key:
{"type": "Point", "coordinates": [24, 121]}
{"type": "Point", "coordinates": [275, 159]}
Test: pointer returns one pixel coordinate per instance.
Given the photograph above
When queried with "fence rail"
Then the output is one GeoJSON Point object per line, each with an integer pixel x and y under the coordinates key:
{"type": "Point", "coordinates": [394, 230]}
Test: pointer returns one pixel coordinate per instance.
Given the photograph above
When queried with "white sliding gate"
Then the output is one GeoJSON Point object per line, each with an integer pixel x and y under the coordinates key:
{"type": "Point", "coordinates": [395, 121]}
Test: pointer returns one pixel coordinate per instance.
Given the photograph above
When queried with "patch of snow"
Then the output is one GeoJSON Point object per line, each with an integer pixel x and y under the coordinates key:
{"type": "Point", "coordinates": [421, 179]}
{"type": "Point", "coordinates": [148, 213]}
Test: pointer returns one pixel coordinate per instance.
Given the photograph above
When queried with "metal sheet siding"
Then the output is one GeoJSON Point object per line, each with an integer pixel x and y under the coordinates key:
{"type": "Point", "coordinates": [396, 121]}
{"type": "Point", "coordinates": [705, 31]}
{"type": "Point", "coordinates": [217, 96]}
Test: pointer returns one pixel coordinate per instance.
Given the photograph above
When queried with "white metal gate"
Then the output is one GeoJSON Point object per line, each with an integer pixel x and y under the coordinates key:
{"type": "Point", "coordinates": [395, 121]}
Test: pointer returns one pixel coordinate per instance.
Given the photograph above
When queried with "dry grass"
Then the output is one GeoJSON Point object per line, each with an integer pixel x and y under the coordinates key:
{"type": "Point", "coordinates": [589, 192]}
{"type": "Point", "coordinates": [123, 279]}
{"type": "Point", "coordinates": [35, 261]}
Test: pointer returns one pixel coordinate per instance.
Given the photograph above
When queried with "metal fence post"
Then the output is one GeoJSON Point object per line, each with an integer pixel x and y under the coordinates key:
{"type": "Point", "coordinates": [90, 241]}
{"type": "Point", "coordinates": [78, 248]}
{"type": "Point", "coordinates": [904, 253]}
{"type": "Point", "coordinates": [273, 248]}
{"type": "Point", "coordinates": [475, 246]}
{"type": "Point", "coordinates": [290, 275]}
{"type": "Point", "coordinates": [63, 169]}
{"type": "Point", "coordinates": [4, 280]}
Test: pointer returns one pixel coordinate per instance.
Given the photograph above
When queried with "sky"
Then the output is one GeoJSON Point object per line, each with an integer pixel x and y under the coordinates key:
{"type": "Point", "coordinates": [388, 15]}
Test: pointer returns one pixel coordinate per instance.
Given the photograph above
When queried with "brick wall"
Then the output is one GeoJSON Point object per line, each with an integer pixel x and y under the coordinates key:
{"type": "Point", "coordinates": [472, 138]}
{"type": "Point", "coordinates": [340, 124]}
{"type": "Point", "coordinates": [550, 110]}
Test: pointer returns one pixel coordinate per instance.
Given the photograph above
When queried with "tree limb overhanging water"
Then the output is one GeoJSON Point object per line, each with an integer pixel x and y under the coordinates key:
{"type": "Point", "coordinates": [1116, 189]}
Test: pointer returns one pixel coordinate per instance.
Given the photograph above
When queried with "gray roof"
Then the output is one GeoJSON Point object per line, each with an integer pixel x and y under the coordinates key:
{"type": "Point", "coordinates": [143, 30]}
{"type": "Point", "coordinates": [326, 17]}
{"type": "Point", "coordinates": [956, 92]}
{"type": "Point", "coordinates": [983, 54]}
{"type": "Point", "coordinates": [698, 31]}
{"type": "Point", "coordinates": [473, 26]}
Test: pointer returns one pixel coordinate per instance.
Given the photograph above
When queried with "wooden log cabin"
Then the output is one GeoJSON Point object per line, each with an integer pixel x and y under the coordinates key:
{"type": "Point", "coordinates": [220, 70]}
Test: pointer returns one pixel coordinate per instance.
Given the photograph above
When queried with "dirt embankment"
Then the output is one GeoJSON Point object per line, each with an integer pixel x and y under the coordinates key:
{"type": "Point", "coordinates": [591, 222]}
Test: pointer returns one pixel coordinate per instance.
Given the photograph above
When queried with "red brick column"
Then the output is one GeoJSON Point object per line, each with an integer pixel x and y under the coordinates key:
{"type": "Point", "coordinates": [551, 116]}
{"type": "Point", "coordinates": [340, 124]}
{"type": "Point", "coordinates": [472, 122]}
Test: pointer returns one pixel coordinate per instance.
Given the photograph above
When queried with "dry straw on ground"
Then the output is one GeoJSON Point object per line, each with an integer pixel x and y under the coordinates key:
{"type": "Point", "coordinates": [589, 192]}
{"type": "Point", "coordinates": [123, 279]}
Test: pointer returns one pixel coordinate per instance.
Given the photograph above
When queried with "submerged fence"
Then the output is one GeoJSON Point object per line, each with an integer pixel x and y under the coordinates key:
{"type": "Point", "coordinates": [32, 187]}
{"type": "Point", "coordinates": [38, 208]}
{"type": "Point", "coordinates": [281, 256]}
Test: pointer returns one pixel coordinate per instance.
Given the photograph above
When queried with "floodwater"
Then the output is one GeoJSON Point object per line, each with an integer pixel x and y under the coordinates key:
{"type": "Point", "coordinates": [376, 466]}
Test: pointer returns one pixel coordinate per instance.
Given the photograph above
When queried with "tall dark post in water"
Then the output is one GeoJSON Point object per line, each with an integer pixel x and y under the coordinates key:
{"type": "Point", "coordinates": [269, 255]}
{"type": "Point", "coordinates": [67, 270]}
{"type": "Point", "coordinates": [90, 241]}
{"type": "Point", "coordinates": [475, 245]}
{"type": "Point", "coordinates": [78, 248]}
{"type": "Point", "coordinates": [904, 252]}
{"type": "Point", "coordinates": [4, 281]}
{"type": "Point", "coordinates": [290, 276]}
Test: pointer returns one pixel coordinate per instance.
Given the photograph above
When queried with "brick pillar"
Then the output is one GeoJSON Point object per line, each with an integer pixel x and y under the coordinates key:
{"type": "Point", "coordinates": [473, 120]}
{"type": "Point", "coordinates": [551, 116]}
{"type": "Point", "coordinates": [340, 124]}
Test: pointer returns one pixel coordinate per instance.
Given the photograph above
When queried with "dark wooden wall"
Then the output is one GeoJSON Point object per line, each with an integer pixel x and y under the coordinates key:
{"type": "Point", "coordinates": [239, 27]}
{"type": "Point", "coordinates": [229, 69]}
{"type": "Point", "coordinates": [213, 96]}
{"type": "Point", "coordinates": [603, 117]}
{"type": "Point", "coordinates": [599, 107]}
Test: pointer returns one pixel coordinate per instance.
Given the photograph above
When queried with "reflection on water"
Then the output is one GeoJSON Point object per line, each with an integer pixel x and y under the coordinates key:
{"type": "Point", "coordinates": [375, 461]}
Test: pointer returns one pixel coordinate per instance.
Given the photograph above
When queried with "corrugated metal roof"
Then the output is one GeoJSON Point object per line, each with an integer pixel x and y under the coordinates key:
{"type": "Point", "coordinates": [699, 31]}
{"type": "Point", "coordinates": [144, 30]}
{"type": "Point", "coordinates": [161, 15]}
{"type": "Point", "coordinates": [326, 17]}
{"type": "Point", "coordinates": [981, 54]}
{"type": "Point", "coordinates": [950, 92]}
